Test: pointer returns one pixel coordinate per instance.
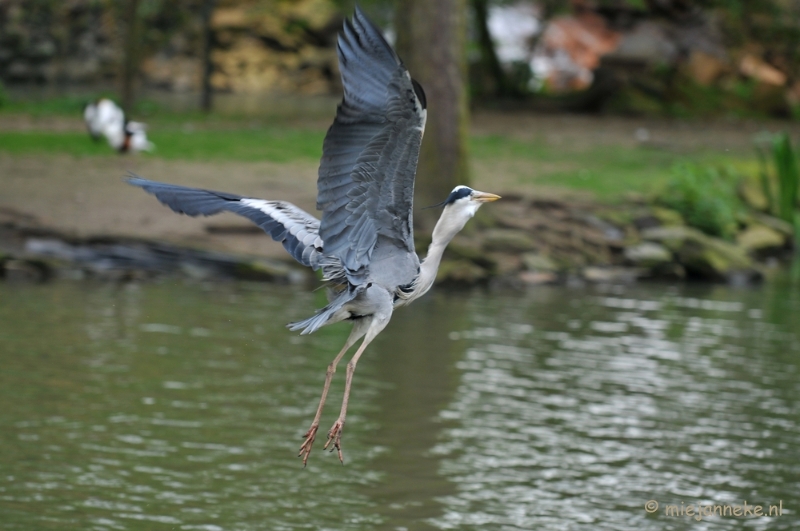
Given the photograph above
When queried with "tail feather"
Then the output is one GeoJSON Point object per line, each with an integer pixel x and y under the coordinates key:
{"type": "Point", "coordinates": [321, 318]}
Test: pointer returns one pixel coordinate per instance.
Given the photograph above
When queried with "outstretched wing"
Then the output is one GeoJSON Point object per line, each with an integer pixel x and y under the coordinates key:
{"type": "Point", "coordinates": [294, 227]}
{"type": "Point", "coordinates": [366, 175]}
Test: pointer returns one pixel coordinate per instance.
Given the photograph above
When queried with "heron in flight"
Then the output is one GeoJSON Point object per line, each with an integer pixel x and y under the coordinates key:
{"type": "Point", "coordinates": [364, 243]}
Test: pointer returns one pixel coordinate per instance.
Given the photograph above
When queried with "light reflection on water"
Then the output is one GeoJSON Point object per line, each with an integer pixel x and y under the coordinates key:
{"type": "Point", "coordinates": [181, 407]}
{"type": "Point", "coordinates": [678, 399]}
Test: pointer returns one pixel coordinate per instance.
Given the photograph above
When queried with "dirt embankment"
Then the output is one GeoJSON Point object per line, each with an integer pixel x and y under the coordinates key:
{"type": "Point", "coordinates": [86, 198]}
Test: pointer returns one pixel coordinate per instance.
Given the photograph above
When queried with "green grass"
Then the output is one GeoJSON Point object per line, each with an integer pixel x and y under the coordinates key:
{"type": "Point", "coordinates": [606, 171]}
{"type": "Point", "coordinates": [41, 106]}
{"type": "Point", "coordinates": [37, 107]}
{"type": "Point", "coordinates": [260, 144]}
{"type": "Point", "coordinates": [35, 143]}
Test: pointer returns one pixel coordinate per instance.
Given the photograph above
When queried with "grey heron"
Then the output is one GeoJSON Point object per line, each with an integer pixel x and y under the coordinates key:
{"type": "Point", "coordinates": [364, 243]}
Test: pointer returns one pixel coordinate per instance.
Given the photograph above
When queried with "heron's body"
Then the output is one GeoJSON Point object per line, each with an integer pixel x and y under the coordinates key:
{"type": "Point", "coordinates": [364, 243]}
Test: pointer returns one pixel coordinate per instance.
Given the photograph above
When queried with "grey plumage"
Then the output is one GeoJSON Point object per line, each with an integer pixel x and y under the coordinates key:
{"type": "Point", "coordinates": [295, 228]}
{"type": "Point", "coordinates": [366, 176]}
{"type": "Point", "coordinates": [364, 243]}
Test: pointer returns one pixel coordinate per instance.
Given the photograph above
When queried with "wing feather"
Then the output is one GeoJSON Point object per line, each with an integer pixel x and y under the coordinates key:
{"type": "Point", "coordinates": [366, 175]}
{"type": "Point", "coordinates": [295, 228]}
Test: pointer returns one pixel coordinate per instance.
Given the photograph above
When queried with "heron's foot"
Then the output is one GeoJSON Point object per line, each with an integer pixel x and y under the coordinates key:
{"type": "Point", "coordinates": [335, 437]}
{"type": "Point", "coordinates": [305, 448]}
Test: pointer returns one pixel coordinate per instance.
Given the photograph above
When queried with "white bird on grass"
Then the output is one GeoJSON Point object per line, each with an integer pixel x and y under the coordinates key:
{"type": "Point", "coordinates": [104, 118]}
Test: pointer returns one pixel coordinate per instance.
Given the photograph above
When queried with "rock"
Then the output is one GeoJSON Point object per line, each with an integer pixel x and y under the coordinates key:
{"type": "Point", "coordinates": [610, 232]}
{"type": "Point", "coordinates": [23, 271]}
{"type": "Point", "coordinates": [180, 74]}
{"type": "Point", "coordinates": [756, 68]}
{"type": "Point", "coordinates": [770, 99]}
{"type": "Point", "coordinates": [505, 263]}
{"type": "Point", "coordinates": [648, 254]}
{"type": "Point", "coordinates": [761, 239]}
{"type": "Point", "coordinates": [539, 262]}
{"type": "Point", "coordinates": [656, 216]}
{"type": "Point", "coordinates": [229, 18]}
{"type": "Point", "coordinates": [461, 272]}
{"type": "Point", "coordinates": [262, 270]}
{"type": "Point", "coordinates": [535, 278]}
{"type": "Point", "coordinates": [648, 43]}
{"type": "Point", "coordinates": [508, 240]}
{"type": "Point", "coordinates": [124, 259]}
{"type": "Point", "coordinates": [646, 221]}
{"type": "Point", "coordinates": [774, 223]}
{"type": "Point", "coordinates": [667, 217]}
{"type": "Point", "coordinates": [611, 275]}
{"type": "Point", "coordinates": [671, 237]}
{"type": "Point", "coordinates": [792, 93]}
{"type": "Point", "coordinates": [702, 255]}
{"type": "Point", "coordinates": [751, 192]}
{"type": "Point", "coordinates": [705, 68]}
{"type": "Point", "coordinates": [654, 261]}
{"type": "Point", "coordinates": [197, 271]}
{"type": "Point", "coordinates": [467, 248]}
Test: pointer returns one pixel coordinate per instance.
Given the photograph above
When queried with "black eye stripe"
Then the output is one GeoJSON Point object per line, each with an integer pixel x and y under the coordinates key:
{"type": "Point", "coordinates": [457, 194]}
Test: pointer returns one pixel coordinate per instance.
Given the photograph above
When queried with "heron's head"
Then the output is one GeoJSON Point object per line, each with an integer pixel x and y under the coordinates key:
{"type": "Point", "coordinates": [464, 199]}
{"type": "Point", "coordinates": [459, 207]}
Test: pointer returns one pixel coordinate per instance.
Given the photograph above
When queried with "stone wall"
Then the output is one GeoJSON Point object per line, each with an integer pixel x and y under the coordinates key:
{"type": "Point", "coordinates": [259, 45]}
{"type": "Point", "coordinates": [56, 42]}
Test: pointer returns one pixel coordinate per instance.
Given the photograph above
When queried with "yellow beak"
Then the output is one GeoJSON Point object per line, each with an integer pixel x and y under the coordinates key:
{"type": "Point", "coordinates": [484, 197]}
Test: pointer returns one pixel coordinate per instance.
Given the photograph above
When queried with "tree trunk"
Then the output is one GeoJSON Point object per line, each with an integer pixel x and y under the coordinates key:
{"type": "Point", "coordinates": [130, 59]}
{"type": "Point", "coordinates": [431, 41]}
{"type": "Point", "coordinates": [206, 93]}
{"type": "Point", "coordinates": [490, 64]}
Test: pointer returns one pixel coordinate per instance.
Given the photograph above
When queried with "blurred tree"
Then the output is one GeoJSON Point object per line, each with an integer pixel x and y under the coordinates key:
{"type": "Point", "coordinates": [431, 40]}
{"type": "Point", "coordinates": [145, 27]}
{"type": "Point", "coordinates": [769, 26]}
{"type": "Point", "coordinates": [130, 57]}
{"type": "Point", "coordinates": [490, 64]}
{"type": "Point", "coordinates": [208, 67]}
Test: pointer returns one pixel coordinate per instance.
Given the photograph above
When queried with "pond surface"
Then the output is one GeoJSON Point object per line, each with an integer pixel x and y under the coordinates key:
{"type": "Point", "coordinates": [181, 406]}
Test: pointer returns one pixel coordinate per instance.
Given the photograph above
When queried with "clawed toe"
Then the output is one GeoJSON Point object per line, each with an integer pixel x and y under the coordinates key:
{"type": "Point", "coordinates": [305, 448]}
{"type": "Point", "coordinates": [335, 437]}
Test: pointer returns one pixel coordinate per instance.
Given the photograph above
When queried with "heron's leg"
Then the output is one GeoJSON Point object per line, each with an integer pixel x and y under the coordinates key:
{"type": "Point", "coordinates": [305, 448]}
{"type": "Point", "coordinates": [335, 433]}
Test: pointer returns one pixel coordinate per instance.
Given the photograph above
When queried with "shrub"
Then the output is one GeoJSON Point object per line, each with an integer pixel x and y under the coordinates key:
{"type": "Point", "coordinates": [783, 201]}
{"type": "Point", "coordinates": [705, 197]}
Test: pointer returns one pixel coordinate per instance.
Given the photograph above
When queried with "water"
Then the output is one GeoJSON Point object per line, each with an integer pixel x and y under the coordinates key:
{"type": "Point", "coordinates": [182, 406]}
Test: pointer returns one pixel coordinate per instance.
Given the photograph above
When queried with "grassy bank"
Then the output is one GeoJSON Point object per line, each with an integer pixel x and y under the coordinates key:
{"type": "Point", "coordinates": [605, 171]}
{"type": "Point", "coordinates": [518, 155]}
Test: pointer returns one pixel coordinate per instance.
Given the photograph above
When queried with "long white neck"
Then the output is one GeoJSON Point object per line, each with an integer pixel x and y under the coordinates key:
{"type": "Point", "coordinates": [445, 230]}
